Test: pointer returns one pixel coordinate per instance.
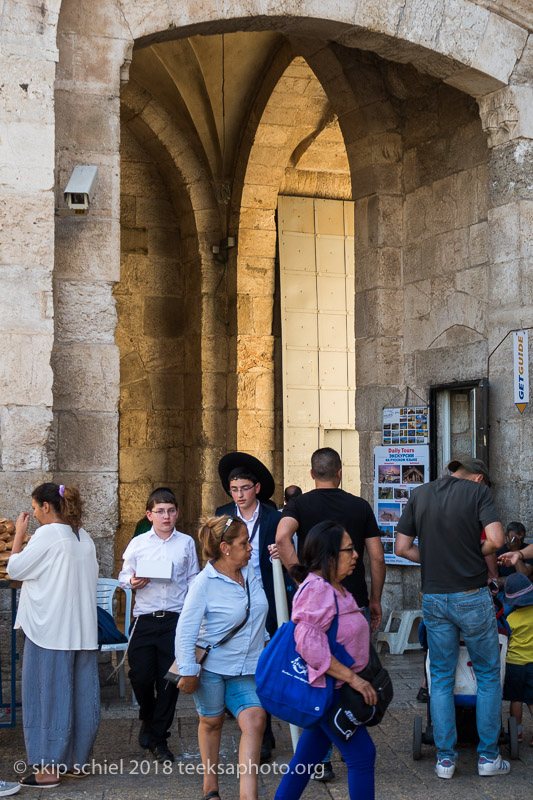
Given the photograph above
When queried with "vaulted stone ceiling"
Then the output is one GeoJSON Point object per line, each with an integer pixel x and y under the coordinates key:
{"type": "Point", "coordinates": [210, 82]}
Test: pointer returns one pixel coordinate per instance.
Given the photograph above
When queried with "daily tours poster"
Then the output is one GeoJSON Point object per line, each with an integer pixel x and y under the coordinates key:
{"type": "Point", "coordinates": [398, 471]}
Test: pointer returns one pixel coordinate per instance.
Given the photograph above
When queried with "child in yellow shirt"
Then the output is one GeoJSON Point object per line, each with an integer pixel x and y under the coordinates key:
{"type": "Point", "coordinates": [518, 686]}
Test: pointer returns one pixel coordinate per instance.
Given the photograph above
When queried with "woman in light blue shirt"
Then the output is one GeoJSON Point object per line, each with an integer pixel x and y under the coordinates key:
{"type": "Point", "coordinates": [225, 610]}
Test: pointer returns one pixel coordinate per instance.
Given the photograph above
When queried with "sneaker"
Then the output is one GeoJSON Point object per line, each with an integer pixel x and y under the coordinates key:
{"type": "Point", "coordinates": [323, 772]}
{"type": "Point", "coordinates": [445, 768]}
{"type": "Point", "coordinates": [486, 767]}
{"type": "Point", "coordinates": [6, 787]}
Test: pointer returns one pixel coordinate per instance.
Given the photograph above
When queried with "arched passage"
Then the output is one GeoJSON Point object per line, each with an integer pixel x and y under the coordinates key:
{"type": "Point", "coordinates": [390, 187]}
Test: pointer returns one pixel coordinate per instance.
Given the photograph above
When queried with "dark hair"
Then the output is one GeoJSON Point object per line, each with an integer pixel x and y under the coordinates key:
{"type": "Point", "coordinates": [242, 474]}
{"type": "Point", "coordinates": [516, 527]}
{"type": "Point", "coordinates": [161, 495]}
{"type": "Point", "coordinates": [214, 530]}
{"type": "Point", "coordinates": [292, 491]}
{"type": "Point", "coordinates": [68, 507]}
{"type": "Point", "coordinates": [321, 551]}
{"type": "Point", "coordinates": [325, 463]}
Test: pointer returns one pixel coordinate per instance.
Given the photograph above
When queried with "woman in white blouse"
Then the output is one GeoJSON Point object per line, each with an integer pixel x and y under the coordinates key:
{"type": "Point", "coordinates": [57, 612]}
{"type": "Point", "coordinates": [225, 608]}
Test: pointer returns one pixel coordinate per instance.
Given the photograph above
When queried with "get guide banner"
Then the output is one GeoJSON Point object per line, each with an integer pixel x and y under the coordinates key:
{"type": "Point", "coordinates": [398, 470]}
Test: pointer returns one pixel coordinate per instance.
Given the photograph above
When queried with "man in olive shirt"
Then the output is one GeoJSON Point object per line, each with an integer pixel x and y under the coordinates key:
{"type": "Point", "coordinates": [448, 516]}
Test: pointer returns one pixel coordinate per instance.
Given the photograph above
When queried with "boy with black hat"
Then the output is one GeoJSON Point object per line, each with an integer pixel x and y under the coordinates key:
{"type": "Point", "coordinates": [518, 686]}
{"type": "Point", "coordinates": [250, 485]}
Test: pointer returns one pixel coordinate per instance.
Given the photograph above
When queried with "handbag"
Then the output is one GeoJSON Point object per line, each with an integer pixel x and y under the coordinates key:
{"type": "Point", "coordinates": [352, 711]}
{"type": "Point", "coordinates": [282, 679]}
{"type": "Point", "coordinates": [201, 652]}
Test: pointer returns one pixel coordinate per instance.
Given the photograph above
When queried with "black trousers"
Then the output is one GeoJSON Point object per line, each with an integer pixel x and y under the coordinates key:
{"type": "Point", "coordinates": [150, 654]}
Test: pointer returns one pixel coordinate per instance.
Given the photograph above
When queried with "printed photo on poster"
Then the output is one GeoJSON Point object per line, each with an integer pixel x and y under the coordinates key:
{"type": "Point", "coordinates": [406, 425]}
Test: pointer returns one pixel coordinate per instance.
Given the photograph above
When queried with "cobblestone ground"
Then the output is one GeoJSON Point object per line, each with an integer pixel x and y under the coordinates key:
{"type": "Point", "coordinates": [129, 773]}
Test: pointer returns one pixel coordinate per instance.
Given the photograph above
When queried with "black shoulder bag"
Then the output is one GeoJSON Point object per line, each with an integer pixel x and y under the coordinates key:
{"type": "Point", "coordinates": [352, 711]}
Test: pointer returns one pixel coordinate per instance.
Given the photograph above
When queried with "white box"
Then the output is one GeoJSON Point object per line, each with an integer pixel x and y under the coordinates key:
{"type": "Point", "coordinates": [160, 571]}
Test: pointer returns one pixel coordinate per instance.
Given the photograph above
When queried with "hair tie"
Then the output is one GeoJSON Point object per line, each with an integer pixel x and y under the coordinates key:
{"type": "Point", "coordinates": [62, 490]}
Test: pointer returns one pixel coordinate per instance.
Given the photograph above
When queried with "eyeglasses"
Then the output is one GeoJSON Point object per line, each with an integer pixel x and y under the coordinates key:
{"type": "Point", "coordinates": [347, 549]}
{"type": "Point", "coordinates": [243, 489]}
{"type": "Point", "coordinates": [163, 512]}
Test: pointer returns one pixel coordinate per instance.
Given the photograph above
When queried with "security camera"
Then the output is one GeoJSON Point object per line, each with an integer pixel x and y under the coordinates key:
{"type": "Point", "coordinates": [79, 190]}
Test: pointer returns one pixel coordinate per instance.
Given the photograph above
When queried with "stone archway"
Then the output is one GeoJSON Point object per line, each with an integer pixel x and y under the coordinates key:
{"type": "Point", "coordinates": [478, 60]}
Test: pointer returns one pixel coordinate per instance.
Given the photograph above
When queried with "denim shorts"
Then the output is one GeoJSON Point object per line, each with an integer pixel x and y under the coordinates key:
{"type": "Point", "coordinates": [518, 686]}
{"type": "Point", "coordinates": [217, 692]}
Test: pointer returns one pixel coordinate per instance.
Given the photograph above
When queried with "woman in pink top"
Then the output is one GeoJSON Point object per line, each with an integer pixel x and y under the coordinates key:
{"type": "Point", "coordinates": [328, 558]}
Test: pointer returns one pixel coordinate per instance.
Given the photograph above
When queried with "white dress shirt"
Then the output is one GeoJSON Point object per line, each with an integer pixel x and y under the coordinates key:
{"type": "Point", "coordinates": [254, 560]}
{"type": "Point", "coordinates": [161, 596]}
{"type": "Point", "coordinates": [59, 574]}
{"type": "Point", "coordinates": [214, 605]}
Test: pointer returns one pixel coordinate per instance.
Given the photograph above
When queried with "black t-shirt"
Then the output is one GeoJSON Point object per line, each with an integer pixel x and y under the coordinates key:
{"type": "Point", "coordinates": [353, 513]}
{"type": "Point", "coordinates": [448, 516]}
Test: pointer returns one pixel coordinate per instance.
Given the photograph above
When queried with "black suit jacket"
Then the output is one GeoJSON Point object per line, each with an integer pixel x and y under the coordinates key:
{"type": "Point", "coordinates": [270, 518]}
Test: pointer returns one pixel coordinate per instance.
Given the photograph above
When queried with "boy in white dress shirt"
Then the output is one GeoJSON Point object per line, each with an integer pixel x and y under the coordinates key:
{"type": "Point", "coordinates": [156, 612]}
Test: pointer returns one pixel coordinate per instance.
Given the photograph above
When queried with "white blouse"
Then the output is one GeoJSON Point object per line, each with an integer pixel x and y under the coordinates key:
{"type": "Point", "coordinates": [57, 606]}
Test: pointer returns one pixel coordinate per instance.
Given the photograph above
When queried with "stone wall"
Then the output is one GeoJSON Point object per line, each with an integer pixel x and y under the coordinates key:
{"type": "Point", "coordinates": [151, 335]}
{"type": "Point", "coordinates": [429, 199]}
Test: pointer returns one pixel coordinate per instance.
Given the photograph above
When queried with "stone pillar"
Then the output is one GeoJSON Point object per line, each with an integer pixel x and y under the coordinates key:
{"type": "Point", "coordinates": [507, 118]}
{"type": "Point", "coordinates": [28, 58]}
{"type": "Point", "coordinates": [85, 358]}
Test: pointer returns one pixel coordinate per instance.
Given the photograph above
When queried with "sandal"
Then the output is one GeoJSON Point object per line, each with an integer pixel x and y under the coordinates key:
{"type": "Point", "coordinates": [30, 780]}
{"type": "Point", "coordinates": [212, 795]}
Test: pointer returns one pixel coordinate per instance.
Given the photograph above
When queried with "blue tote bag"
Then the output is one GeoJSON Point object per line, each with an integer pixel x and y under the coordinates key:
{"type": "Point", "coordinates": [282, 679]}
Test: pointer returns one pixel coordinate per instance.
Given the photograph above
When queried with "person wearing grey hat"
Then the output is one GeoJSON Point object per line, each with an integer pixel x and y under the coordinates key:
{"type": "Point", "coordinates": [448, 516]}
{"type": "Point", "coordinates": [518, 686]}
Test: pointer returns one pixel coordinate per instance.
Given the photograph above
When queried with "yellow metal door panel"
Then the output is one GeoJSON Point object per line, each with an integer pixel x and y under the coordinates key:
{"type": "Point", "coordinates": [300, 330]}
{"type": "Point", "coordinates": [331, 293]}
{"type": "Point", "coordinates": [334, 408]}
{"type": "Point", "coordinates": [300, 476]}
{"type": "Point", "coordinates": [297, 216]}
{"type": "Point", "coordinates": [333, 371]}
{"type": "Point", "coordinates": [298, 252]}
{"type": "Point", "coordinates": [349, 255]}
{"type": "Point", "coordinates": [302, 367]}
{"type": "Point", "coordinates": [329, 217]}
{"type": "Point", "coordinates": [332, 331]}
{"type": "Point", "coordinates": [302, 407]}
{"type": "Point", "coordinates": [349, 218]}
{"type": "Point", "coordinates": [300, 292]}
{"type": "Point", "coordinates": [330, 253]}
{"type": "Point", "coordinates": [299, 443]}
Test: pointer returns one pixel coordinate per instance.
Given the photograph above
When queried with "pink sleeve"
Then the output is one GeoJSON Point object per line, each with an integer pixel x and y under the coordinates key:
{"type": "Point", "coordinates": [313, 612]}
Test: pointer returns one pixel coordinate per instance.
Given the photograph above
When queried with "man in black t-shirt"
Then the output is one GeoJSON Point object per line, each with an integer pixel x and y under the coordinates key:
{"type": "Point", "coordinates": [325, 502]}
{"type": "Point", "coordinates": [448, 516]}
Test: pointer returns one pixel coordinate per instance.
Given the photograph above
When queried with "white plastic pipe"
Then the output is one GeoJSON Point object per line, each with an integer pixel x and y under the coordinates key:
{"type": "Point", "coordinates": [282, 615]}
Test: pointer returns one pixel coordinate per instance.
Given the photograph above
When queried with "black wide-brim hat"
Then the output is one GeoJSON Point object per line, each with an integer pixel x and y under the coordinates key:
{"type": "Point", "coordinates": [231, 461]}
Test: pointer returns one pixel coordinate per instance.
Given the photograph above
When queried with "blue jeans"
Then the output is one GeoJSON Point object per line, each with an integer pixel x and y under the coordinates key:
{"type": "Point", "coordinates": [446, 617]}
{"type": "Point", "coordinates": [359, 754]}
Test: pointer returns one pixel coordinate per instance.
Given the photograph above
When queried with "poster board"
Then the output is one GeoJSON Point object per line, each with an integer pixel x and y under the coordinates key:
{"type": "Point", "coordinates": [405, 425]}
{"type": "Point", "coordinates": [398, 470]}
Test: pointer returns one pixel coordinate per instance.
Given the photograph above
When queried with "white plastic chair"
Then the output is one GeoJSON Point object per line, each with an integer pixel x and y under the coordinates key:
{"type": "Point", "coordinates": [105, 591]}
{"type": "Point", "coordinates": [400, 639]}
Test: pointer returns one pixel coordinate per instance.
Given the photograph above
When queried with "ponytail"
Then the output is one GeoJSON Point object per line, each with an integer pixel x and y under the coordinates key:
{"type": "Point", "coordinates": [65, 500]}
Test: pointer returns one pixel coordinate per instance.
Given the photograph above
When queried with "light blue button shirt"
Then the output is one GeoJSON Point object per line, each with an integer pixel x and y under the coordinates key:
{"type": "Point", "coordinates": [214, 605]}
